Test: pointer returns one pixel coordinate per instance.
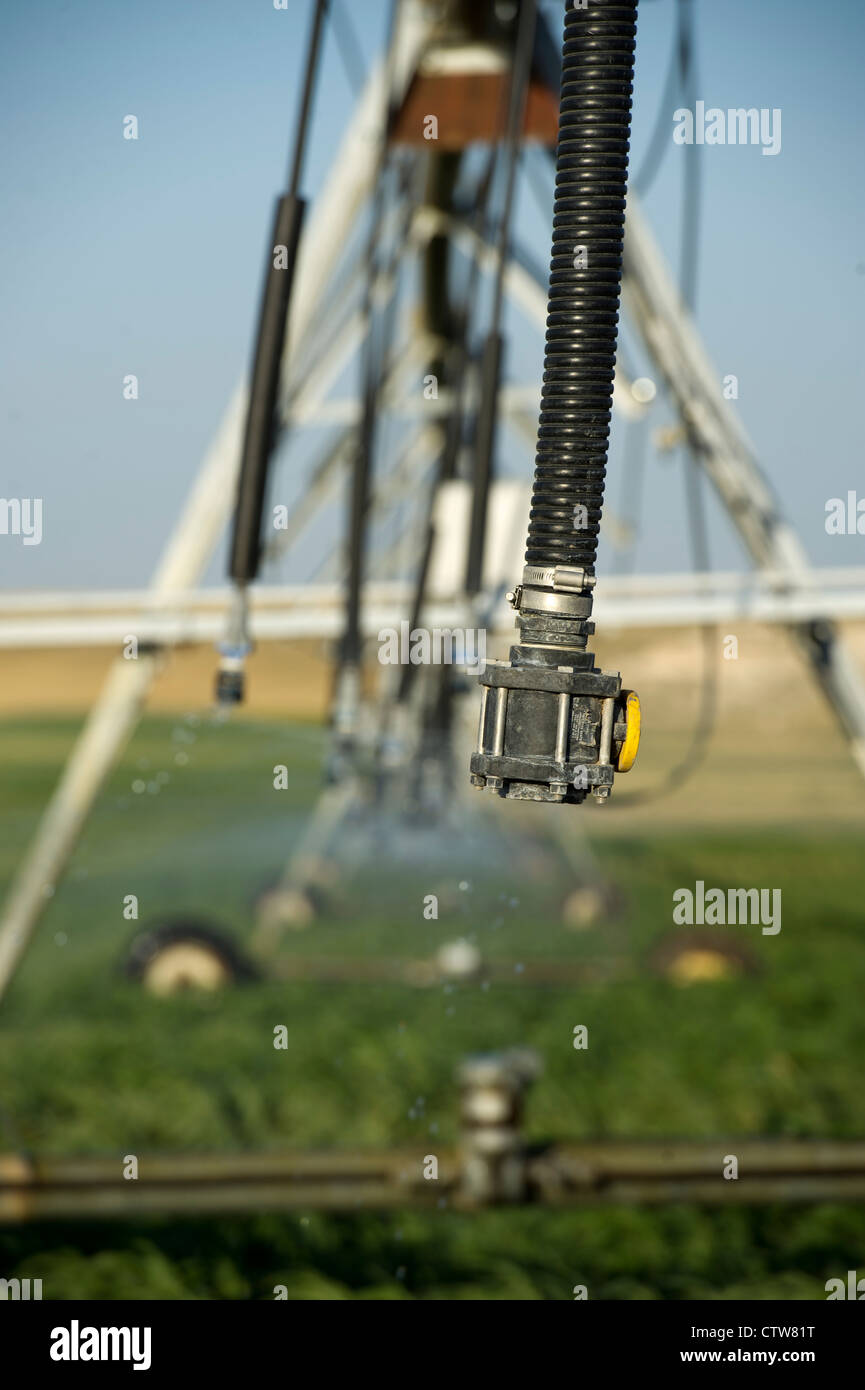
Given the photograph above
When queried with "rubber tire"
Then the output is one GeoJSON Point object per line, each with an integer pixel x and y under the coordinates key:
{"type": "Point", "coordinates": [154, 941]}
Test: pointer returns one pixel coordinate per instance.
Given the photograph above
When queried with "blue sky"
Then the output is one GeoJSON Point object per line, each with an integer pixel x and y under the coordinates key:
{"type": "Point", "coordinates": [145, 256]}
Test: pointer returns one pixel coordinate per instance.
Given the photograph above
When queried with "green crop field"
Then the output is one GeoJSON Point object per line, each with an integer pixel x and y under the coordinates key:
{"type": "Point", "coordinates": [191, 824]}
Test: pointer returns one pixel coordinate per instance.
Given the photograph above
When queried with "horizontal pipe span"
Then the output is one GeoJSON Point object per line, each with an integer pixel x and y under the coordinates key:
{"type": "Point", "coordinates": [87, 601]}
{"type": "Point", "coordinates": [674, 1158]}
{"type": "Point", "coordinates": [50, 1189]}
{"type": "Point", "coordinates": [756, 1191]}
{"type": "Point", "coordinates": [567, 1174]}
{"type": "Point", "coordinates": [286, 614]}
{"type": "Point", "coordinates": [355, 969]}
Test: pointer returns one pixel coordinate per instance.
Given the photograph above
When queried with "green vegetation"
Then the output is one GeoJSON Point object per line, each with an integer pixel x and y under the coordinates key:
{"type": "Point", "coordinates": [90, 1065]}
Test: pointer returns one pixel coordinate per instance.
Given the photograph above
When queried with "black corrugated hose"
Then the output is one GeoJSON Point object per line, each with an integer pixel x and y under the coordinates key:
{"type": "Point", "coordinates": [585, 275]}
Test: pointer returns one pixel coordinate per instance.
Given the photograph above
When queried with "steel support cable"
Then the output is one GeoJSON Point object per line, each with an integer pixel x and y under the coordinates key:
{"type": "Point", "coordinates": [659, 140]}
{"type": "Point", "coordinates": [633, 481]}
{"type": "Point", "coordinates": [333, 457]}
{"type": "Point", "coordinates": [409, 197]}
{"type": "Point", "coordinates": [346, 681]}
{"type": "Point", "coordinates": [461, 354]}
{"type": "Point", "coordinates": [659, 143]}
{"type": "Point", "coordinates": [448, 329]}
{"type": "Point", "coordinates": [465, 316]}
{"type": "Point", "coordinates": [479, 223]}
{"type": "Point", "coordinates": [492, 356]}
{"type": "Point", "coordinates": [679, 69]}
{"type": "Point", "coordinates": [509, 122]}
{"type": "Point", "coordinates": [374, 371]}
{"type": "Point", "coordinates": [683, 71]}
{"type": "Point", "coordinates": [348, 46]}
{"type": "Point", "coordinates": [698, 745]}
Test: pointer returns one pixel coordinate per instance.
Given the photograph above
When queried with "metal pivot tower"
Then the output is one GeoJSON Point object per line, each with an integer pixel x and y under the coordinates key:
{"type": "Point", "coordinates": [483, 79]}
{"type": "Point", "coordinates": [454, 59]}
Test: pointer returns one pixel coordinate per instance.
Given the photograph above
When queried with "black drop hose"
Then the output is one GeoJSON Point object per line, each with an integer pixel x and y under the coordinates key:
{"type": "Point", "coordinates": [261, 426]}
{"type": "Point", "coordinates": [585, 276]}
